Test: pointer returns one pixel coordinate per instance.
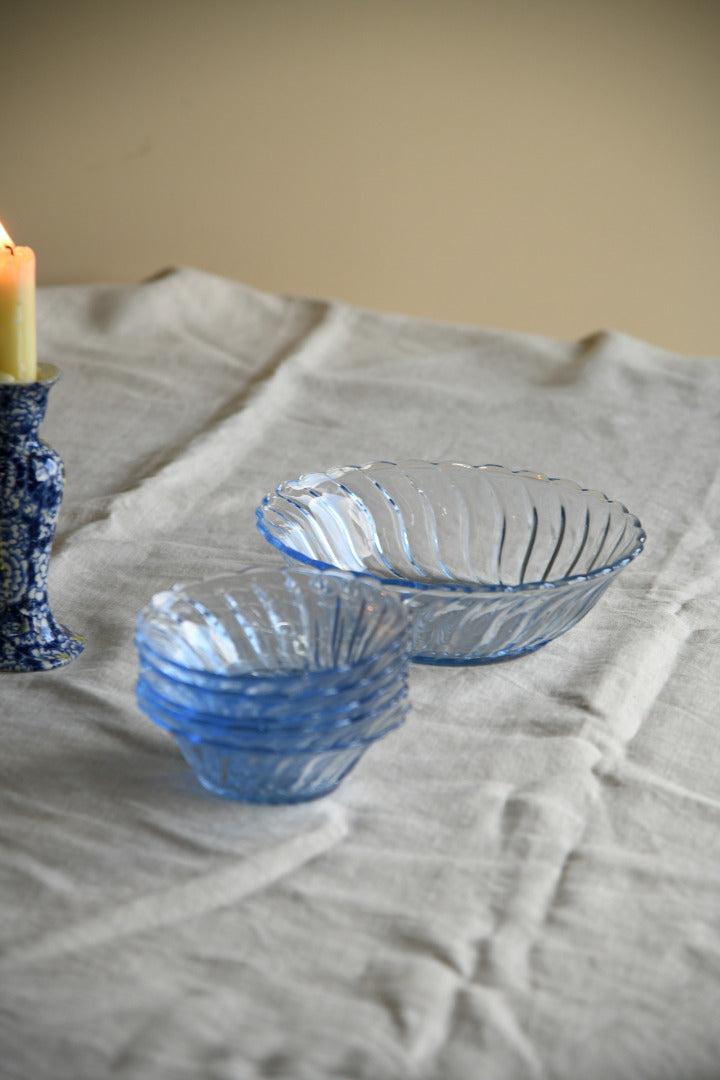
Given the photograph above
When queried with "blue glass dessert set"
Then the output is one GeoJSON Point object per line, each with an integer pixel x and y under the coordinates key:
{"type": "Point", "coordinates": [274, 681]}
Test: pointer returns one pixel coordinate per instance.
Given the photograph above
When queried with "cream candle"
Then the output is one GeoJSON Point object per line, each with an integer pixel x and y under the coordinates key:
{"type": "Point", "coordinates": [18, 349]}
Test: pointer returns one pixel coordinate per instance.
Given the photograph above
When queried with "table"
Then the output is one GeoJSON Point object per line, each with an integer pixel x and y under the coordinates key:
{"type": "Point", "coordinates": [522, 882]}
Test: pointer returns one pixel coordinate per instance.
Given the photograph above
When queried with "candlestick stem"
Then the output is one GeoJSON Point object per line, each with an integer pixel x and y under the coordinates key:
{"type": "Point", "coordinates": [31, 486]}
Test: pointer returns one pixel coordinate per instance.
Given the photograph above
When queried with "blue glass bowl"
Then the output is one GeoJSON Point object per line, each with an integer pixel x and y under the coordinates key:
{"type": "Point", "coordinates": [316, 670]}
{"type": "Point", "coordinates": [491, 563]}
{"type": "Point", "coordinates": [268, 776]}
{"type": "Point", "coordinates": [236, 711]}
{"type": "Point", "coordinates": [372, 724]}
{"type": "Point", "coordinates": [273, 630]}
{"type": "Point", "coordinates": [261, 688]}
{"type": "Point", "coordinates": [289, 709]}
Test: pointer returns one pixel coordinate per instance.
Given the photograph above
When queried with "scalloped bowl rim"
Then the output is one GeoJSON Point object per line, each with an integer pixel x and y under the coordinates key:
{"type": "Point", "coordinates": [364, 707]}
{"type": "Point", "coordinates": [279, 683]}
{"type": "Point", "coordinates": [443, 588]}
{"type": "Point", "coordinates": [282, 690]}
{"type": "Point", "coordinates": [289, 677]}
{"type": "Point", "coordinates": [215, 740]}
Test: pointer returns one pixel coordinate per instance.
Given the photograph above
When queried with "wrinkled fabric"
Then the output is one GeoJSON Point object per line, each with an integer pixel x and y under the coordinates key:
{"type": "Point", "coordinates": [523, 882]}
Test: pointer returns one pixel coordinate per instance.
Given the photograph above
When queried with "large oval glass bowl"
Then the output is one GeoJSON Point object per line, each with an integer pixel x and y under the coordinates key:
{"type": "Point", "coordinates": [493, 563]}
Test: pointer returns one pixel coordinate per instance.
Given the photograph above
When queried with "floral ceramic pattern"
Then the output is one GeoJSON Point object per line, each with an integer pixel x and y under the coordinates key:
{"type": "Point", "coordinates": [31, 486]}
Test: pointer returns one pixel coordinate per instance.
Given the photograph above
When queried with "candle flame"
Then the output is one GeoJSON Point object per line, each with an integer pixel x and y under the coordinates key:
{"type": "Point", "coordinates": [5, 238]}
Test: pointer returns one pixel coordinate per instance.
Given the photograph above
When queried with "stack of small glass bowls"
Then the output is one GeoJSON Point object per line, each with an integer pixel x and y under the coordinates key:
{"type": "Point", "coordinates": [274, 681]}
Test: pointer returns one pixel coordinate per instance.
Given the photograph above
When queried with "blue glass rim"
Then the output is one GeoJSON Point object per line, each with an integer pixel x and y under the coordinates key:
{"type": "Point", "coordinates": [358, 709]}
{"type": "Point", "coordinates": [256, 680]}
{"type": "Point", "coordinates": [269, 752]}
{"type": "Point", "coordinates": [396, 711]}
{"type": "Point", "coordinates": [335, 701]}
{"type": "Point", "coordinates": [443, 588]}
{"type": "Point", "coordinates": [271, 689]}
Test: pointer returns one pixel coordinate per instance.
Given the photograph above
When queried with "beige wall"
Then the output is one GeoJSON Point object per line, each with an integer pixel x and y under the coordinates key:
{"type": "Point", "coordinates": [543, 166]}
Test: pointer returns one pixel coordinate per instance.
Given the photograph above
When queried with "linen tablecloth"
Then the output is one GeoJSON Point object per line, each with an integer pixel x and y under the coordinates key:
{"type": "Point", "coordinates": [521, 882]}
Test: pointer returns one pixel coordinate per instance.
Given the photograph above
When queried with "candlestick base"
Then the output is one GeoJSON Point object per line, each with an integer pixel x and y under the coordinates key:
{"type": "Point", "coordinates": [34, 641]}
{"type": "Point", "coordinates": [31, 485]}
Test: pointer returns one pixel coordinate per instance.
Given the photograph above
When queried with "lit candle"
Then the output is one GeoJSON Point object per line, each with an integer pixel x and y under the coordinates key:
{"type": "Point", "coordinates": [18, 349]}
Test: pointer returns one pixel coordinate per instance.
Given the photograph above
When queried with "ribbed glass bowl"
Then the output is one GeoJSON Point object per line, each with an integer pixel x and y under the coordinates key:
{"type": "Point", "coordinates": [261, 712]}
{"type": "Point", "coordinates": [492, 563]}
{"type": "Point", "coordinates": [268, 775]}
{"type": "Point", "coordinates": [373, 723]}
{"type": "Point", "coordinates": [240, 695]}
{"type": "Point", "coordinates": [274, 680]}
{"type": "Point", "coordinates": [277, 631]}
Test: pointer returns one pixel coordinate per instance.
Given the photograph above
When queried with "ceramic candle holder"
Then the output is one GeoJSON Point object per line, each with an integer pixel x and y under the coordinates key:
{"type": "Point", "coordinates": [31, 486]}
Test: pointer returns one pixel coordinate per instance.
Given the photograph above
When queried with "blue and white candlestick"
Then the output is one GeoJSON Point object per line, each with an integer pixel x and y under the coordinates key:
{"type": "Point", "coordinates": [31, 486]}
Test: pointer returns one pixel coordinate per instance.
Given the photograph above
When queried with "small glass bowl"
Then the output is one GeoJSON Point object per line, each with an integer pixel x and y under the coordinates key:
{"type": "Point", "coordinates": [492, 563]}
{"type": "Point", "coordinates": [273, 630]}
{"type": "Point", "coordinates": [268, 775]}
{"type": "Point", "coordinates": [288, 709]}
{"type": "Point", "coordinates": [365, 727]}
{"type": "Point", "coordinates": [329, 652]}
